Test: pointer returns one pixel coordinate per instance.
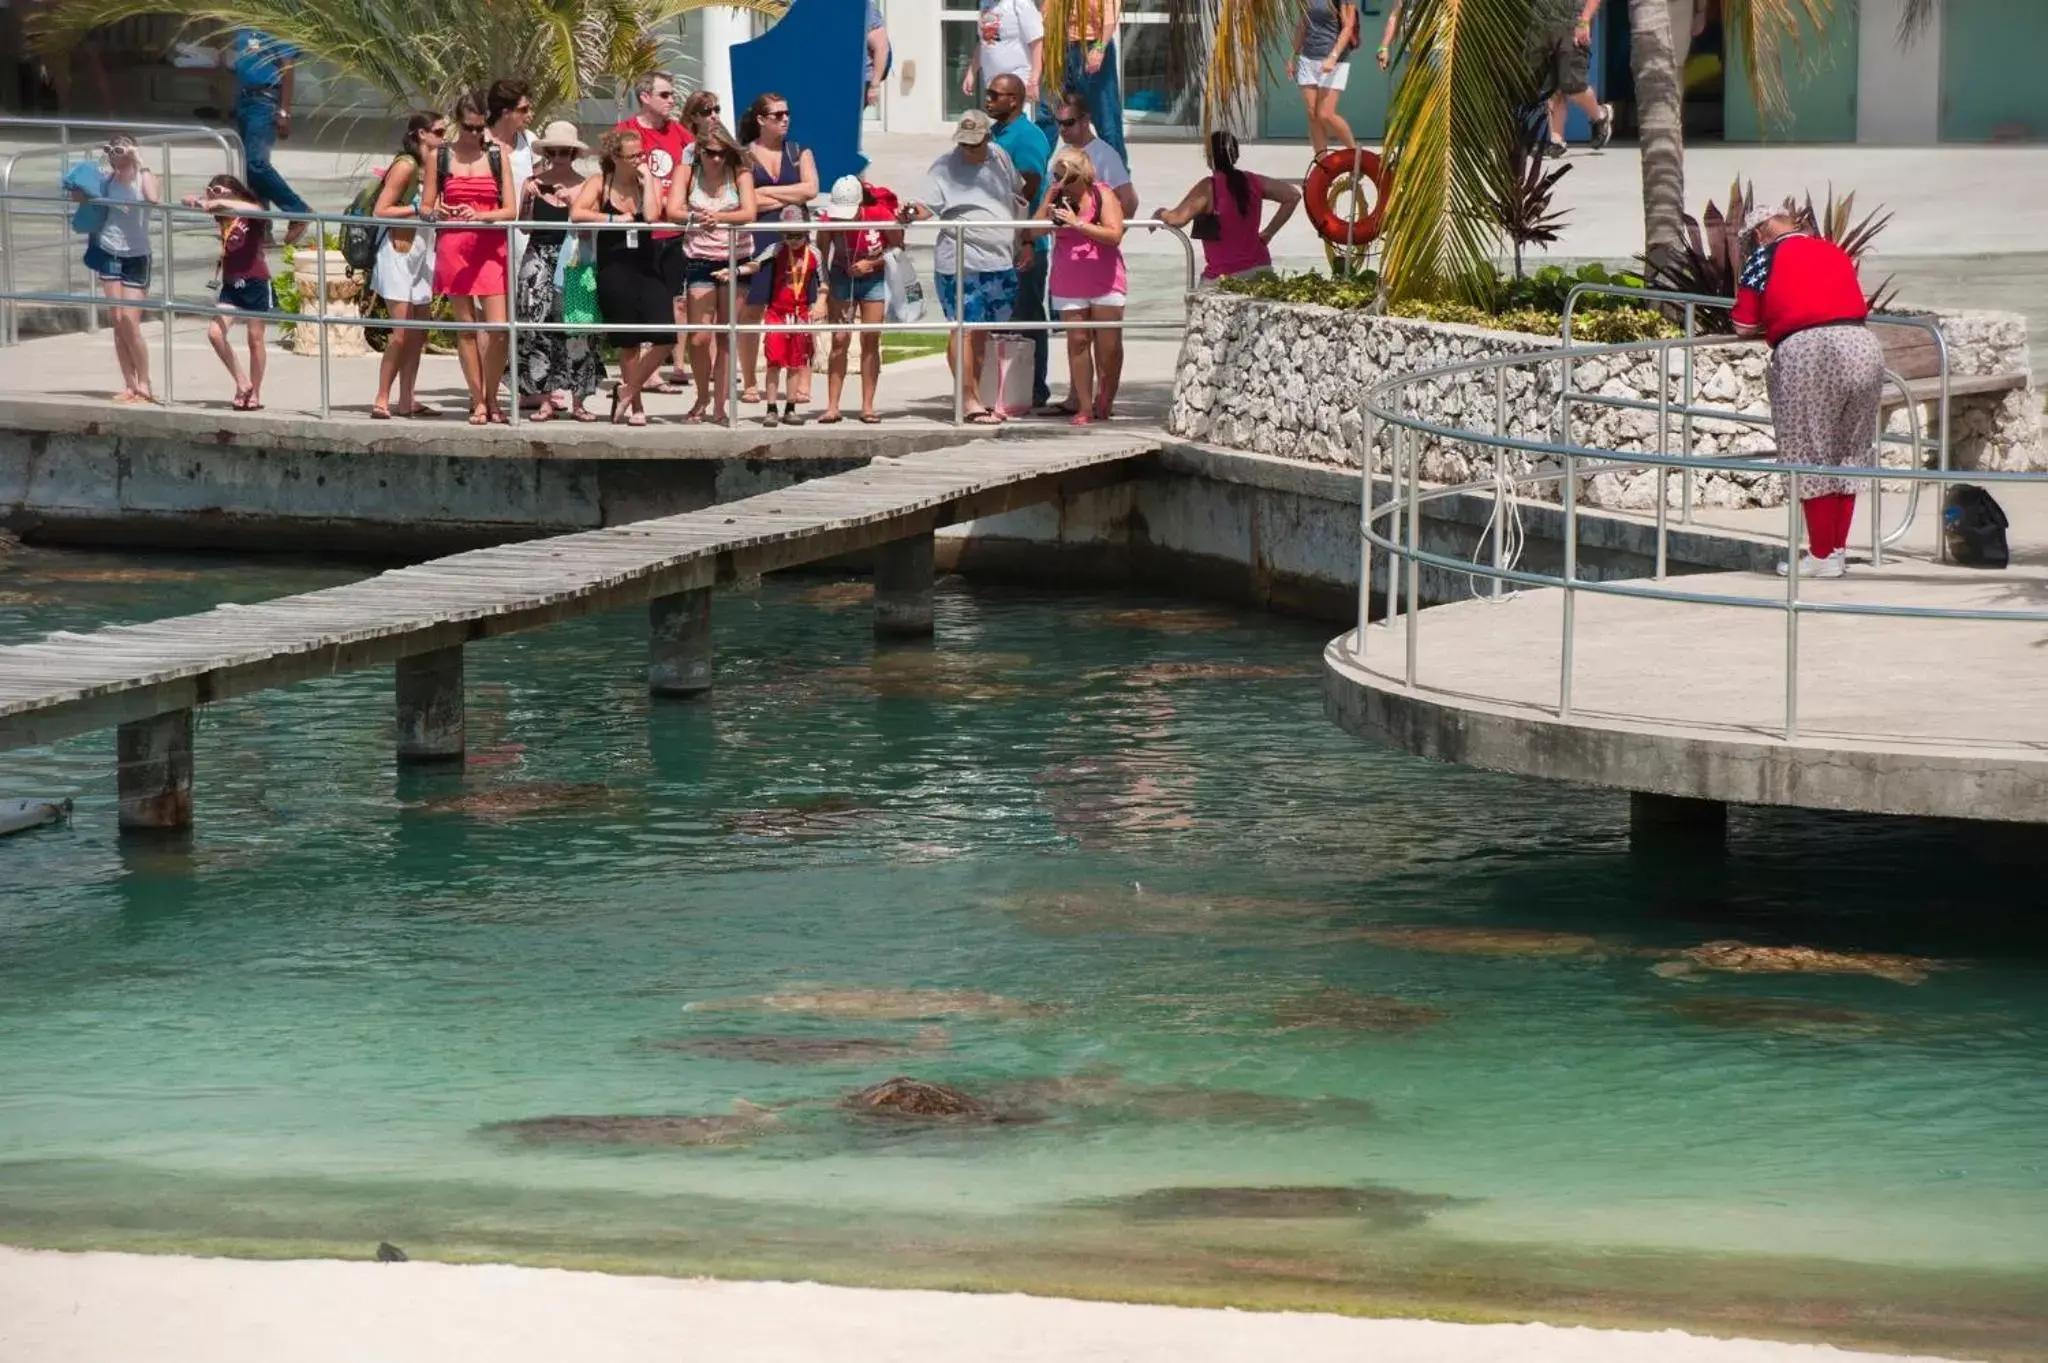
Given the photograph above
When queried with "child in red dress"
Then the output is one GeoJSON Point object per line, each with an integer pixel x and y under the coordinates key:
{"type": "Point", "coordinates": [794, 298]}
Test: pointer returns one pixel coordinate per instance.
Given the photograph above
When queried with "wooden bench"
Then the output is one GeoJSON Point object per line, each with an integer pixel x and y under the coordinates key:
{"type": "Point", "coordinates": [1911, 353]}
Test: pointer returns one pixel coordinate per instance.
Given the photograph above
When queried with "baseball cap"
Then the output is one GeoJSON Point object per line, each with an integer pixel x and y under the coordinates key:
{"type": "Point", "coordinates": [844, 205]}
{"type": "Point", "coordinates": [973, 129]}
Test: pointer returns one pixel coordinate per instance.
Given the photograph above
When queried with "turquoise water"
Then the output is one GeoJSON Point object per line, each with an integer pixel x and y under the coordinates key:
{"type": "Point", "coordinates": [1180, 892]}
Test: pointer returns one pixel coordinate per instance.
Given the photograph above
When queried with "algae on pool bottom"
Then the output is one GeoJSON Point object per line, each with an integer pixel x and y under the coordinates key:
{"type": "Point", "coordinates": [1237, 1008]}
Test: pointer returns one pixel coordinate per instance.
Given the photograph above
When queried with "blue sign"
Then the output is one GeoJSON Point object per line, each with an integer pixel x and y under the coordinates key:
{"type": "Point", "coordinates": [813, 58]}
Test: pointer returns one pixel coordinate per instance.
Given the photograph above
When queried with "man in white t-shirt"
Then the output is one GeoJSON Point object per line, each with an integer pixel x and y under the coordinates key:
{"type": "Point", "coordinates": [1077, 130]}
{"type": "Point", "coordinates": [1012, 44]}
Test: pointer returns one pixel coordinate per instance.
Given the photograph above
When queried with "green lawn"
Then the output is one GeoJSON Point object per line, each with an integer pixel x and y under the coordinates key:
{"type": "Point", "coordinates": [909, 345]}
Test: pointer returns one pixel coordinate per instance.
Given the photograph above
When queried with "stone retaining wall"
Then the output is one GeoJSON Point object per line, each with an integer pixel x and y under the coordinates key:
{"type": "Point", "coordinates": [1286, 379]}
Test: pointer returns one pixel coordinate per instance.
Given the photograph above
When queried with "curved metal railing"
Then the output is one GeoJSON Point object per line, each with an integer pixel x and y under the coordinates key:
{"type": "Point", "coordinates": [1525, 464]}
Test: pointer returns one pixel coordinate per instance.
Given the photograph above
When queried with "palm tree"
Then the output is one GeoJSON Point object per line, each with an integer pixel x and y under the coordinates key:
{"type": "Point", "coordinates": [1660, 128]}
{"type": "Point", "coordinates": [416, 52]}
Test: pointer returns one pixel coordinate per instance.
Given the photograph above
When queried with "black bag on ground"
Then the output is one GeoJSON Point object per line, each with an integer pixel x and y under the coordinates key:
{"type": "Point", "coordinates": [1973, 527]}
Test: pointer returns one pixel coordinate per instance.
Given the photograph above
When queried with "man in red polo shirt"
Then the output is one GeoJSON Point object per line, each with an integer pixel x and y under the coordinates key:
{"type": "Point", "coordinates": [662, 138]}
{"type": "Point", "coordinates": [1801, 294]}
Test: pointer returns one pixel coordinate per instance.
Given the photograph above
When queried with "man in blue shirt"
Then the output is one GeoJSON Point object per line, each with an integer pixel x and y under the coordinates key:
{"type": "Point", "coordinates": [263, 113]}
{"type": "Point", "coordinates": [878, 59]}
{"type": "Point", "coordinates": [1028, 150]}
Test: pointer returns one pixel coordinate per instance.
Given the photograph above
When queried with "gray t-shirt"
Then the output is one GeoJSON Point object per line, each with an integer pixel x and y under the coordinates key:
{"type": "Point", "coordinates": [956, 188]}
{"type": "Point", "coordinates": [1325, 22]}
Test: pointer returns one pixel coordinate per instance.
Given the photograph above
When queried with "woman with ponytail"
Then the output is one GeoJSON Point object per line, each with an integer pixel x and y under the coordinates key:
{"type": "Point", "coordinates": [1225, 207]}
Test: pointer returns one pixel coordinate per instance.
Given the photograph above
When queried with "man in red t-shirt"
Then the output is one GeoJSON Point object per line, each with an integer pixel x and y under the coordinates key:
{"type": "Point", "coordinates": [1800, 292]}
{"type": "Point", "coordinates": [662, 138]}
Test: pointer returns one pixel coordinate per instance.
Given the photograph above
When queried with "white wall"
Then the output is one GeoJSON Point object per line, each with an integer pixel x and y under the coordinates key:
{"type": "Point", "coordinates": [915, 98]}
{"type": "Point", "coordinates": [1898, 90]}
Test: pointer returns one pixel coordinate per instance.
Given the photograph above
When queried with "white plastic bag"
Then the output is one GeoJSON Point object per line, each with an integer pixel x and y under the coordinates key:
{"type": "Point", "coordinates": [906, 292]}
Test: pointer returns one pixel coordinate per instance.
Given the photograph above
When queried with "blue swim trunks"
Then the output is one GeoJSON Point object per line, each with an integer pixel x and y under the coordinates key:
{"type": "Point", "coordinates": [990, 295]}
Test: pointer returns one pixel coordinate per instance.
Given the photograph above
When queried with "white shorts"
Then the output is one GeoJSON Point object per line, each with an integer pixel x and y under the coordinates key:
{"type": "Point", "coordinates": [1107, 300]}
{"type": "Point", "coordinates": [407, 277]}
{"type": "Point", "coordinates": [1309, 71]}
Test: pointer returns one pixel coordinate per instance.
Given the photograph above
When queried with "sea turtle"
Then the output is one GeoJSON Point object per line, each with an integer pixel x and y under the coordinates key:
{"type": "Point", "coordinates": [810, 1050]}
{"type": "Point", "coordinates": [516, 800]}
{"type": "Point", "coordinates": [1379, 1207]}
{"type": "Point", "coordinates": [816, 818]}
{"type": "Point", "coordinates": [905, 1098]}
{"type": "Point", "coordinates": [878, 1004]}
{"type": "Point", "coordinates": [1133, 908]}
{"type": "Point", "coordinates": [1789, 1016]}
{"type": "Point", "coordinates": [1357, 1012]}
{"type": "Point", "coordinates": [1171, 620]}
{"type": "Point", "coordinates": [745, 1121]}
{"type": "Point", "coordinates": [1166, 674]}
{"type": "Point", "coordinates": [1743, 958]}
{"type": "Point", "coordinates": [1479, 941]}
{"type": "Point", "coordinates": [839, 595]}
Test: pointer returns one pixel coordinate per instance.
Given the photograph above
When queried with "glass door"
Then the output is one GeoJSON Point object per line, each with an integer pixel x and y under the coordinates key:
{"type": "Point", "coordinates": [1150, 99]}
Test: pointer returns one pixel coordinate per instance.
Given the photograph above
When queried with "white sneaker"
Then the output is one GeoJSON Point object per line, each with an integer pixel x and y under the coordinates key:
{"type": "Point", "coordinates": [1834, 565]}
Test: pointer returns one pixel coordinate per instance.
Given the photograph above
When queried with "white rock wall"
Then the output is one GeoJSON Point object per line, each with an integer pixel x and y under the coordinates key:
{"type": "Point", "coordinates": [1286, 379]}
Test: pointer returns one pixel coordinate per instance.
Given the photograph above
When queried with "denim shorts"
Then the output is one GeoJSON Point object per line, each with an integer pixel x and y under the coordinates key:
{"type": "Point", "coordinates": [249, 295]}
{"type": "Point", "coordinates": [130, 270]}
{"type": "Point", "coordinates": [699, 275]}
{"type": "Point", "coordinates": [988, 295]}
{"type": "Point", "coordinates": [873, 288]}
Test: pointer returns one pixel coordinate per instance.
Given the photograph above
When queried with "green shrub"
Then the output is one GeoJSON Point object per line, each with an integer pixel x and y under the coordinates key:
{"type": "Point", "coordinates": [1356, 292]}
{"type": "Point", "coordinates": [1534, 304]}
{"type": "Point", "coordinates": [1599, 325]}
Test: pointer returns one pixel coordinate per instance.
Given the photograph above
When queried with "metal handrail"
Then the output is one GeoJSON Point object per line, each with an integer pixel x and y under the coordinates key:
{"type": "Point", "coordinates": [169, 307]}
{"type": "Point", "coordinates": [163, 135]}
{"type": "Point", "coordinates": [1394, 526]}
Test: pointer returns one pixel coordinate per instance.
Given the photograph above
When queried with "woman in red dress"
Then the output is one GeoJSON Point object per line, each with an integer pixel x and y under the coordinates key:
{"type": "Point", "coordinates": [469, 182]}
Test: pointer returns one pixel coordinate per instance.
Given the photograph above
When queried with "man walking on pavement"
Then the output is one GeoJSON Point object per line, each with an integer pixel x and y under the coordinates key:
{"type": "Point", "coordinates": [1029, 152]}
{"type": "Point", "coordinates": [263, 113]}
{"type": "Point", "coordinates": [1563, 43]}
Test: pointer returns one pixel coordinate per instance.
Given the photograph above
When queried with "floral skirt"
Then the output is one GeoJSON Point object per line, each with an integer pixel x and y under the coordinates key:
{"type": "Point", "coordinates": [551, 361]}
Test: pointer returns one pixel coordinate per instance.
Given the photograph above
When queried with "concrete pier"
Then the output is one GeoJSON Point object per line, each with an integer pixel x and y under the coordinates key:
{"type": "Point", "coordinates": [430, 706]}
{"type": "Point", "coordinates": [154, 771]}
{"type": "Point", "coordinates": [903, 587]}
{"type": "Point", "coordinates": [679, 643]}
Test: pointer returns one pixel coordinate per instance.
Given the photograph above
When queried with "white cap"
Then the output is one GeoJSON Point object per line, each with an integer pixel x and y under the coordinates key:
{"type": "Point", "coordinates": [845, 202]}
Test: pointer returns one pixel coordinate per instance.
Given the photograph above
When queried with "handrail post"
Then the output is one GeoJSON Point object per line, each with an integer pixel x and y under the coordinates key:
{"type": "Point", "coordinates": [1685, 423]}
{"type": "Point", "coordinates": [320, 313]}
{"type": "Point", "coordinates": [170, 302]}
{"type": "Point", "coordinates": [1571, 575]}
{"type": "Point", "coordinates": [8, 334]}
{"type": "Point", "coordinates": [1940, 485]}
{"type": "Point", "coordinates": [1364, 532]}
{"type": "Point", "coordinates": [1663, 451]}
{"type": "Point", "coordinates": [1500, 479]}
{"type": "Point", "coordinates": [1414, 620]}
{"type": "Point", "coordinates": [1395, 450]}
{"type": "Point", "coordinates": [1792, 607]}
{"type": "Point", "coordinates": [732, 335]}
{"type": "Point", "coordinates": [960, 327]}
{"type": "Point", "coordinates": [512, 262]}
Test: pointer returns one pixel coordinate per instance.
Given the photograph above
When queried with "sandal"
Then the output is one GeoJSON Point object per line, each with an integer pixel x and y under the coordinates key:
{"type": "Point", "coordinates": [985, 417]}
{"type": "Point", "coordinates": [637, 419]}
{"type": "Point", "coordinates": [421, 411]}
{"type": "Point", "coordinates": [582, 414]}
{"type": "Point", "coordinates": [663, 387]}
{"type": "Point", "coordinates": [1080, 419]}
{"type": "Point", "coordinates": [544, 412]}
{"type": "Point", "coordinates": [870, 418]}
{"type": "Point", "coordinates": [750, 396]}
{"type": "Point", "coordinates": [479, 417]}
{"type": "Point", "coordinates": [833, 419]}
{"type": "Point", "coordinates": [379, 413]}
{"type": "Point", "coordinates": [497, 418]}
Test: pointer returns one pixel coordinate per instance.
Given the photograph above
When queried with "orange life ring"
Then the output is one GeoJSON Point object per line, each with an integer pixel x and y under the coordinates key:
{"type": "Point", "coordinates": [1319, 195]}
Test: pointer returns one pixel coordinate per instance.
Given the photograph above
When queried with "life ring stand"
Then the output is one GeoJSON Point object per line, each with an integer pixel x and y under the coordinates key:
{"type": "Point", "coordinates": [1319, 194]}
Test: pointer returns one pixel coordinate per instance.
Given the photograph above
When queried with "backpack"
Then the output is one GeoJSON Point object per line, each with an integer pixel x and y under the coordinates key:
{"type": "Point", "coordinates": [1973, 528]}
{"type": "Point", "coordinates": [496, 153]}
{"type": "Point", "coordinates": [359, 240]}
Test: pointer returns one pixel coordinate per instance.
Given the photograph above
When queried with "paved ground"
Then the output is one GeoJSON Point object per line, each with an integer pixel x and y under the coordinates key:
{"type": "Point", "coordinates": [94, 1308]}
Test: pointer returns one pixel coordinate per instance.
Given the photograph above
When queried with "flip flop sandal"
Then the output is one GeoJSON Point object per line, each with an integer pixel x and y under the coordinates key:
{"type": "Point", "coordinates": [376, 413]}
{"type": "Point", "coordinates": [421, 411]}
{"type": "Point", "coordinates": [583, 414]}
{"type": "Point", "coordinates": [870, 418]}
{"type": "Point", "coordinates": [984, 418]}
{"type": "Point", "coordinates": [833, 419]}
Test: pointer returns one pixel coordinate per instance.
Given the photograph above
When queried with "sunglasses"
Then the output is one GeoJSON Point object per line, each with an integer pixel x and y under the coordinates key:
{"type": "Point", "coordinates": [440, 131]}
{"type": "Point", "coordinates": [475, 127]}
{"type": "Point", "coordinates": [559, 154]}
{"type": "Point", "coordinates": [661, 94]}
{"type": "Point", "coordinates": [1067, 122]}
{"type": "Point", "coordinates": [523, 109]}
{"type": "Point", "coordinates": [778, 114]}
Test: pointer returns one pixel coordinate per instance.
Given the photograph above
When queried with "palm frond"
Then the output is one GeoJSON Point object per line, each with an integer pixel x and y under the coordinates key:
{"type": "Point", "coordinates": [1770, 36]}
{"type": "Point", "coordinates": [1451, 128]}
{"type": "Point", "coordinates": [1914, 20]}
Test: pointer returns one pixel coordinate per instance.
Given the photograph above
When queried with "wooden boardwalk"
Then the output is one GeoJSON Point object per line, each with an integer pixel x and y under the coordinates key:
{"type": "Point", "coordinates": [145, 679]}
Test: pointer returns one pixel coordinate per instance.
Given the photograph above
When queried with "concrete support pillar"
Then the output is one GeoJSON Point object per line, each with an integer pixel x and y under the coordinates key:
{"type": "Point", "coordinates": [679, 643]}
{"type": "Point", "coordinates": [154, 771]}
{"type": "Point", "coordinates": [430, 706]}
{"type": "Point", "coordinates": [903, 587]}
{"type": "Point", "coordinates": [1669, 819]}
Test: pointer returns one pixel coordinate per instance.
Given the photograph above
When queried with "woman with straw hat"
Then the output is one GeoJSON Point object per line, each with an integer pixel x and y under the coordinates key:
{"type": "Point", "coordinates": [561, 366]}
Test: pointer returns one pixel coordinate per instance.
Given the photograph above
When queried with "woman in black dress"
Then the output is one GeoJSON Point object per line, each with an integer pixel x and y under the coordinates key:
{"type": "Point", "coordinates": [631, 289]}
{"type": "Point", "coordinates": [561, 366]}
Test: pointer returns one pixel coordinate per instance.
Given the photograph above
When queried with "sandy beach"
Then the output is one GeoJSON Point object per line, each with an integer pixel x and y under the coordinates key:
{"type": "Point", "coordinates": [97, 1308]}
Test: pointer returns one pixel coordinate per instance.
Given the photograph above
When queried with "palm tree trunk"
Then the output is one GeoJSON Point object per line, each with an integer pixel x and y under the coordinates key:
{"type": "Point", "coordinates": [1660, 127]}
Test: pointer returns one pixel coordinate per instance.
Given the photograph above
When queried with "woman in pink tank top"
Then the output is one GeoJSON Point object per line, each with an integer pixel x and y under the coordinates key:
{"type": "Point", "coordinates": [1088, 283]}
{"type": "Point", "coordinates": [1225, 208]}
